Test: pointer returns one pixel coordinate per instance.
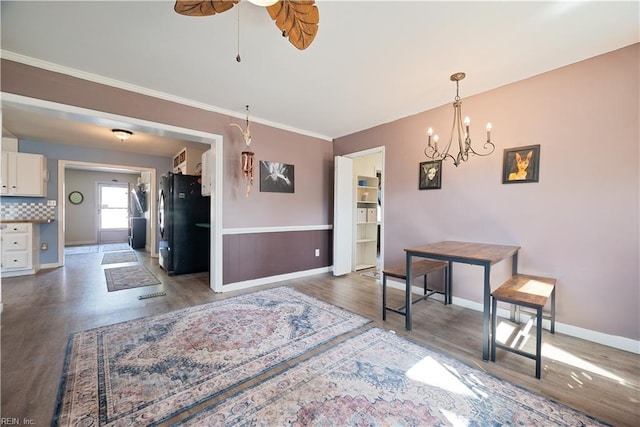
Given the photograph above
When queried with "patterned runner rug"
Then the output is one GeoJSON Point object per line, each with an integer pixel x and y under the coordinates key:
{"type": "Point", "coordinates": [135, 276]}
{"type": "Point", "coordinates": [118, 257]}
{"type": "Point", "coordinates": [147, 370]}
{"type": "Point", "coordinates": [378, 378]}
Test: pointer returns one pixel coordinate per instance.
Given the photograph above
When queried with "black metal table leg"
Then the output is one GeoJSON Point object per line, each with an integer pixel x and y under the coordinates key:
{"type": "Point", "coordinates": [486, 313]}
{"type": "Point", "coordinates": [384, 296]}
{"type": "Point", "coordinates": [407, 320]}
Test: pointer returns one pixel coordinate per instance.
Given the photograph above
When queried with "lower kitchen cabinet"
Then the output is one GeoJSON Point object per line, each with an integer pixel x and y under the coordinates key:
{"type": "Point", "coordinates": [20, 246]}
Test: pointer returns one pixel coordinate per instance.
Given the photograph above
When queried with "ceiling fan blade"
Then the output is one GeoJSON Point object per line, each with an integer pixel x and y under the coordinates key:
{"type": "Point", "coordinates": [298, 20]}
{"type": "Point", "coordinates": [203, 8]}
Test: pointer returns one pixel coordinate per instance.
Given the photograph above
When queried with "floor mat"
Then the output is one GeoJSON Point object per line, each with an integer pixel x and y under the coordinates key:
{"type": "Point", "coordinates": [375, 274]}
{"type": "Point", "coordinates": [78, 250]}
{"type": "Point", "coordinates": [118, 257]}
{"type": "Point", "coordinates": [108, 247]}
{"type": "Point", "coordinates": [135, 276]}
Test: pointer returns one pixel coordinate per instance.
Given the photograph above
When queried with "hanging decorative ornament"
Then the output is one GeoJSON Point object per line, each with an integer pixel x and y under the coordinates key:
{"type": "Point", "coordinates": [247, 154]}
{"type": "Point", "coordinates": [247, 169]}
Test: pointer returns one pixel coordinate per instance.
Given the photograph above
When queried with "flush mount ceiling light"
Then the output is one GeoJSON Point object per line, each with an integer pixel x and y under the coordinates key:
{"type": "Point", "coordinates": [296, 19]}
{"type": "Point", "coordinates": [462, 133]}
{"type": "Point", "coordinates": [121, 134]}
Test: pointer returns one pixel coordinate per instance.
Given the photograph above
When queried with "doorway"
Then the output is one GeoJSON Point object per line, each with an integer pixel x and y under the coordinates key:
{"type": "Point", "coordinates": [113, 212]}
{"type": "Point", "coordinates": [63, 111]}
{"type": "Point", "coordinates": [358, 224]}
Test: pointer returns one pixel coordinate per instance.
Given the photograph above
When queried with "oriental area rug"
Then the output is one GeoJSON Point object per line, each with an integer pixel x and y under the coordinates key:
{"type": "Point", "coordinates": [145, 371]}
{"type": "Point", "coordinates": [118, 257]}
{"type": "Point", "coordinates": [379, 379]}
{"type": "Point", "coordinates": [135, 276]}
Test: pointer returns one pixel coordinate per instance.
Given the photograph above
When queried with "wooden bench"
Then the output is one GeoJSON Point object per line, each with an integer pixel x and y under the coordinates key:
{"type": "Point", "coordinates": [419, 268]}
{"type": "Point", "coordinates": [526, 291]}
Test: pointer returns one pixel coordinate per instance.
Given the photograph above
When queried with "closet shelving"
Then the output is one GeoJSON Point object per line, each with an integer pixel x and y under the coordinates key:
{"type": "Point", "coordinates": [366, 236]}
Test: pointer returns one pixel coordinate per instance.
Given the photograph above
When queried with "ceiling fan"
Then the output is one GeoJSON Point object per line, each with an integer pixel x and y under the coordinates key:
{"type": "Point", "coordinates": [297, 19]}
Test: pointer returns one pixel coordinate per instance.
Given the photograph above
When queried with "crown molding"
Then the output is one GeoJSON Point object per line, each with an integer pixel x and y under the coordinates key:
{"type": "Point", "coordinates": [95, 78]}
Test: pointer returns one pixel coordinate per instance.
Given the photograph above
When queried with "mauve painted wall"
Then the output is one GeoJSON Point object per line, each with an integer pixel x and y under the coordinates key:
{"type": "Point", "coordinates": [310, 204]}
{"type": "Point", "coordinates": [312, 157]}
{"type": "Point", "coordinates": [579, 223]}
{"type": "Point", "coordinates": [256, 255]}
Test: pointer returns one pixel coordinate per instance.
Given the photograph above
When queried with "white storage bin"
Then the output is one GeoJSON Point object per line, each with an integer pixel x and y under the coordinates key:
{"type": "Point", "coordinates": [372, 215]}
{"type": "Point", "coordinates": [362, 215]}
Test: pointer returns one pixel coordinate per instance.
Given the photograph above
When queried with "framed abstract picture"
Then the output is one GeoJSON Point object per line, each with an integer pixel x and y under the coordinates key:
{"type": "Point", "coordinates": [276, 177]}
{"type": "Point", "coordinates": [430, 175]}
{"type": "Point", "coordinates": [521, 164]}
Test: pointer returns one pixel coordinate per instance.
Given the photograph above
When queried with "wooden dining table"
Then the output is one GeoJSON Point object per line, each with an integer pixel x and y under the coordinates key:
{"type": "Point", "coordinates": [482, 254]}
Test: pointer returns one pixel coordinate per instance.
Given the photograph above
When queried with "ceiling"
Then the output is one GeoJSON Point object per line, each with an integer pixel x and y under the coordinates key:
{"type": "Point", "coordinates": [372, 62]}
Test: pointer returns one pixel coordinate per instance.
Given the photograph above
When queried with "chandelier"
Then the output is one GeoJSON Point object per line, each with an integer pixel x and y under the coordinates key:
{"type": "Point", "coordinates": [462, 133]}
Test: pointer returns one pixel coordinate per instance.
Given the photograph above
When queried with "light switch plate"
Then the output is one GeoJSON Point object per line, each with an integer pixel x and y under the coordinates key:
{"type": "Point", "coordinates": [51, 202]}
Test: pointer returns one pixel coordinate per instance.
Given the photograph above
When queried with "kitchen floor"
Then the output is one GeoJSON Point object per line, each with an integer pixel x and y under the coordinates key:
{"type": "Point", "coordinates": [89, 249]}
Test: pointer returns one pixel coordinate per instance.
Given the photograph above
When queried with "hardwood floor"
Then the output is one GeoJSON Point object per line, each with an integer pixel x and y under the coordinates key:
{"type": "Point", "coordinates": [41, 311]}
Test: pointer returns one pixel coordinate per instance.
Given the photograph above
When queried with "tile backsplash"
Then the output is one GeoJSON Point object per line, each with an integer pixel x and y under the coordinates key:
{"type": "Point", "coordinates": [27, 211]}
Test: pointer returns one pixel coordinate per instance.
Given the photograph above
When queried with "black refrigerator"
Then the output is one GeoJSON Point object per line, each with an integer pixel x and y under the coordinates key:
{"type": "Point", "coordinates": [183, 225]}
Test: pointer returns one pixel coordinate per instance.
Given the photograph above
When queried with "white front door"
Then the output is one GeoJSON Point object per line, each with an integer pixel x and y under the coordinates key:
{"type": "Point", "coordinates": [113, 212]}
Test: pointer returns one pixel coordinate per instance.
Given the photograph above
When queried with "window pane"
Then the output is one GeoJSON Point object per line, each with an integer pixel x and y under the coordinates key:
{"type": "Point", "coordinates": [114, 197]}
{"type": "Point", "coordinates": [114, 218]}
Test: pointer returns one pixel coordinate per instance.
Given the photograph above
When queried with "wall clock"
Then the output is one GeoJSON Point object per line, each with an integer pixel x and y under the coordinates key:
{"type": "Point", "coordinates": [76, 197]}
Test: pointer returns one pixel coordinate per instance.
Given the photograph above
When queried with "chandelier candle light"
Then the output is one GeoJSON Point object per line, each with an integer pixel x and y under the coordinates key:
{"type": "Point", "coordinates": [464, 140]}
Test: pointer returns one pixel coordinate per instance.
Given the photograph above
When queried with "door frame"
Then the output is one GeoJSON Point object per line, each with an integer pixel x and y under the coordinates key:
{"type": "Point", "coordinates": [354, 155]}
{"type": "Point", "coordinates": [66, 164]}
{"type": "Point", "coordinates": [65, 111]}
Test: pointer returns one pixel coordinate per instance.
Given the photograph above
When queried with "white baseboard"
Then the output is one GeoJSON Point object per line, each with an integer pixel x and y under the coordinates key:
{"type": "Point", "coordinates": [271, 279]}
{"type": "Point", "coordinates": [22, 272]}
{"type": "Point", "coordinates": [50, 265]}
{"type": "Point", "coordinates": [614, 341]}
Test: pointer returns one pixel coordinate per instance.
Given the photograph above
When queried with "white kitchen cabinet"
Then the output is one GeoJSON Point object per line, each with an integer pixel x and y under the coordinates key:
{"type": "Point", "coordinates": [23, 174]}
{"type": "Point", "coordinates": [366, 239]}
{"type": "Point", "coordinates": [188, 161]}
{"type": "Point", "coordinates": [20, 246]}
